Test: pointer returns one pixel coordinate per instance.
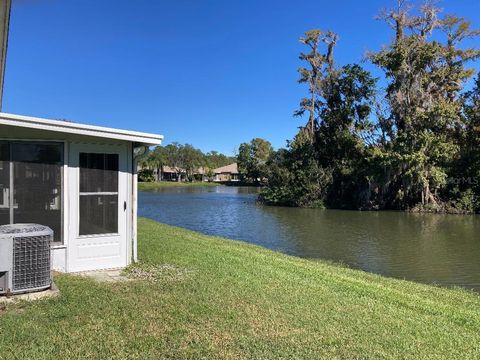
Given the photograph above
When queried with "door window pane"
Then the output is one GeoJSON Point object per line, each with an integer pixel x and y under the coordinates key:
{"type": "Point", "coordinates": [98, 214]}
{"type": "Point", "coordinates": [98, 172]}
{"type": "Point", "coordinates": [98, 193]}
{"type": "Point", "coordinates": [4, 183]}
{"type": "Point", "coordinates": [37, 184]}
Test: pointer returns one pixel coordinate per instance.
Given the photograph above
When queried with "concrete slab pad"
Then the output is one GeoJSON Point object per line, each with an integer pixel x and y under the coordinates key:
{"type": "Point", "coordinates": [39, 295]}
{"type": "Point", "coordinates": [111, 275]}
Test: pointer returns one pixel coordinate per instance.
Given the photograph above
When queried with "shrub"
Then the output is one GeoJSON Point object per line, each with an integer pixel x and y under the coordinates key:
{"type": "Point", "coordinates": [146, 175]}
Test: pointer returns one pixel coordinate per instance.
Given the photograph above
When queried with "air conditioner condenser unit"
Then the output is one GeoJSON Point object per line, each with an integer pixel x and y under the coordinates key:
{"type": "Point", "coordinates": [25, 258]}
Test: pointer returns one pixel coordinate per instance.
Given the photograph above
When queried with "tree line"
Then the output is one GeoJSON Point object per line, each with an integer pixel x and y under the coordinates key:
{"type": "Point", "coordinates": [252, 160]}
{"type": "Point", "coordinates": [184, 159]}
{"type": "Point", "coordinates": [413, 145]}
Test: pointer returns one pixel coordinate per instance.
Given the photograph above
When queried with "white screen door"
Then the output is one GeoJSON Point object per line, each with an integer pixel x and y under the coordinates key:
{"type": "Point", "coordinates": [98, 194]}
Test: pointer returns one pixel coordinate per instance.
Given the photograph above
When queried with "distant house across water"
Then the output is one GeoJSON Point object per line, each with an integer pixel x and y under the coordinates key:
{"type": "Point", "coordinates": [226, 173]}
{"type": "Point", "coordinates": [164, 173]}
{"type": "Point", "coordinates": [168, 173]}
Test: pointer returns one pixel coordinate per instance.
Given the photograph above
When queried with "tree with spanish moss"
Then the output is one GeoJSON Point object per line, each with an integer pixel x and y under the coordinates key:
{"type": "Point", "coordinates": [315, 72]}
{"type": "Point", "coordinates": [425, 77]}
{"type": "Point", "coordinates": [320, 164]}
{"type": "Point", "coordinates": [405, 149]}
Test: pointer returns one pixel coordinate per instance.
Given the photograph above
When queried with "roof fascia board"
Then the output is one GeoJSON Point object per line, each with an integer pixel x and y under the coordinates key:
{"type": "Point", "coordinates": [79, 129]}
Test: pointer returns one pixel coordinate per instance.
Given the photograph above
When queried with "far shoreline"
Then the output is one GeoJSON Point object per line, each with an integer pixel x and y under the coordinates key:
{"type": "Point", "coordinates": [150, 186]}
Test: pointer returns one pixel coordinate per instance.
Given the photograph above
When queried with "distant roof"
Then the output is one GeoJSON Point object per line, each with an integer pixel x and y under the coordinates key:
{"type": "Point", "coordinates": [232, 168]}
{"type": "Point", "coordinates": [200, 170]}
{"type": "Point", "coordinates": [79, 129]}
{"type": "Point", "coordinates": [169, 169]}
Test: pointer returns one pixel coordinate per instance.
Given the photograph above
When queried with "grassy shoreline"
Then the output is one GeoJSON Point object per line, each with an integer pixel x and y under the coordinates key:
{"type": "Point", "coordinates": [208, 297]}
{"type": "Point", "coordinates": [142, 186]}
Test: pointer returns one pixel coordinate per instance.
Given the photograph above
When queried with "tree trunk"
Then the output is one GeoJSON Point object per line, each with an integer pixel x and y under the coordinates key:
{"type": "Point", "coordinates": [312, 114]}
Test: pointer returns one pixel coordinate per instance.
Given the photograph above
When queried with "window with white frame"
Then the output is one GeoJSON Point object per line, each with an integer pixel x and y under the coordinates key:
{"type": "Point", "coordinates": [31, 184]}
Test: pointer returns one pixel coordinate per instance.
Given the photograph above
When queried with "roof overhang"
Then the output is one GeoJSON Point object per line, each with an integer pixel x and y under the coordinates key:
{"type": "Point", "coordinates": [67, 127]}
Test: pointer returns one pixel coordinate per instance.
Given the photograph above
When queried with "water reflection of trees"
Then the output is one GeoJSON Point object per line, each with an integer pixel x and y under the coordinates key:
{"type": "Point", "coordinates": [423, 247]}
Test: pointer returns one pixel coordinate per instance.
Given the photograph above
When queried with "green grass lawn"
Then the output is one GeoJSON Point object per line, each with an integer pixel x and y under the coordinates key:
{"type": "Point", "coordinates": [207, 297]}
{"type": "Point", "coordinates": [163, 184]}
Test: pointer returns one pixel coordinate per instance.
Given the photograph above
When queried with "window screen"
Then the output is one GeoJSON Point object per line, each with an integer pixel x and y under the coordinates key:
{"type": "Point", "coordinates": [98, 193]}
{"type": "Point", "coordinates": [37, 184]}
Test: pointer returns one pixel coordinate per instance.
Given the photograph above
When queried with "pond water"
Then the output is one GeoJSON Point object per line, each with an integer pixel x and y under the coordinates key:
{"type": "Point", "coordinates": [428, 248]}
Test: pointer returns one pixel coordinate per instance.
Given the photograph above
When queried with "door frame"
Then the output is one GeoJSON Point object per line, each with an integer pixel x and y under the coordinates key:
{"type": "Point", "coordinates": [73, 190]}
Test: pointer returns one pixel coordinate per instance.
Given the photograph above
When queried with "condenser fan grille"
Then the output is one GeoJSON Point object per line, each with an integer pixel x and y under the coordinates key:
{"type": "Point", "coordinates": [31, 262]}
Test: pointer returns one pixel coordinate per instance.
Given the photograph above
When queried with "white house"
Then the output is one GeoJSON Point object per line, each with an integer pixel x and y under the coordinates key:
{"type": "Point", "coordinates": [80, 180]}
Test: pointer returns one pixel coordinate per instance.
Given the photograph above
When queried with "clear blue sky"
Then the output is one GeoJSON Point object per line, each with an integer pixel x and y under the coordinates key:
{"type": "Point", "coordinates": [210, 73]}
